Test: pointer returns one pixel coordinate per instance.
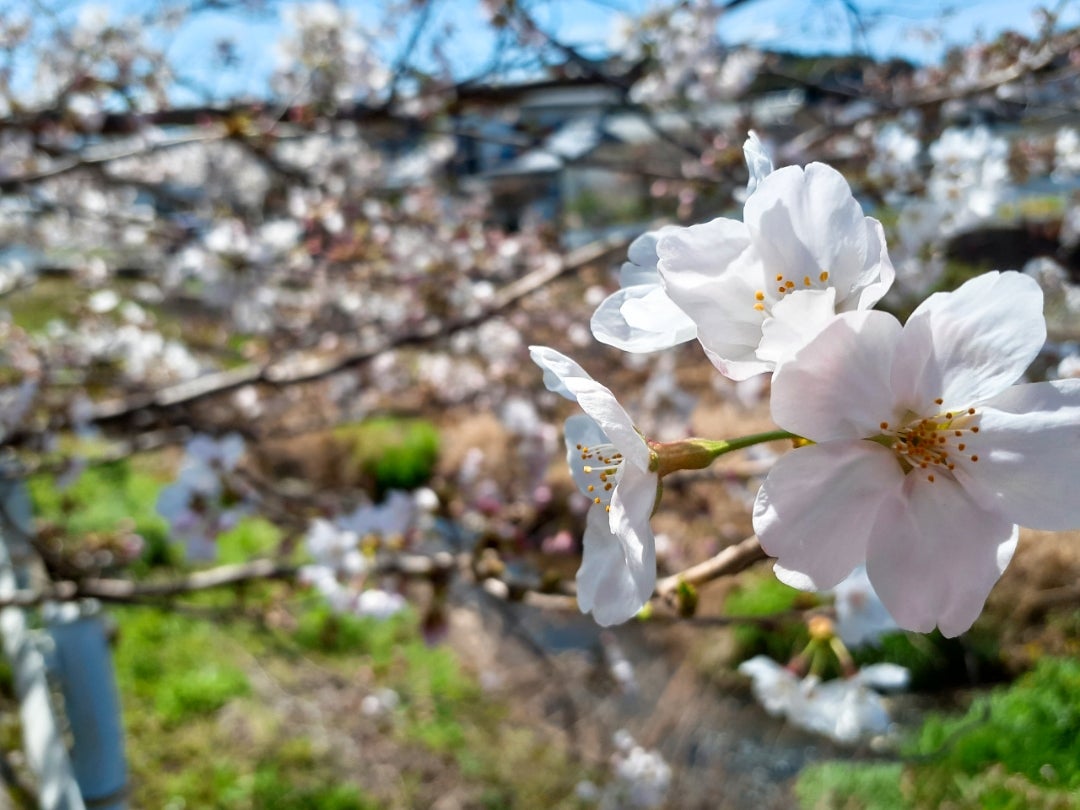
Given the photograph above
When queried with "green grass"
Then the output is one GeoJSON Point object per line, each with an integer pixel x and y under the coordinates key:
{"type": "Point", "coordinates": [389, 453]}
{"type": "Point", "coordinates": [1016, 747]}
{"type": "Point", "coordinates": [762, 594]}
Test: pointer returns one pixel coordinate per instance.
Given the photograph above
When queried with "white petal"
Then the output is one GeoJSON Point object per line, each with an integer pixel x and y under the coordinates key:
{"type": "Point", "coordinates": [757, 161]}
{"type": "Point", "coordinates": [934, 554]}
{"type": "Point", "coordinates": [837, 385]}
{"type": "Point", "coordinates": [557, 368]}
{"type": "Point", "coordinates": [793, 321]}
{"type": "Point", "coordinates": [641, 269]}
{"type": "Point", "coordinates": [641, 318]}
{"type": "Point", "coordinates": [815, 510]}
{"type": "Point", "coordinates": [632, 505]}
{"type": "Point", "coordinates": [563, 376]}
{"type": "Point", "coordinates": [885, 677]}
{"type": "Point", "coordinates": [1029, 454]}
{"type": "Point", "coordinates": [607, 586]}
{"type": "Point", "coordinates": [711, 274]}
{"type": "Point", "coordinates": [970, 344]}
{"type": "Point", "coordinates": [803, 222]}
{"type": "Point", "coordinates": [877, 275]}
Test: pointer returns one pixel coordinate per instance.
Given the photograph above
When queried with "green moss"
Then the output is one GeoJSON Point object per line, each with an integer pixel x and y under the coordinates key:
{"type": "Point", "coordinates": [390, 453]}
{"type": "Point", "coordinates": [851, 786]}
{"type": "Point", "coordinates": [249, 538]}
{"type": "Point", "coordinates": [1031, 728]}
{"type": "Point", "coordinates": [103, 499]}
{"type": "Point", "coordinates": [762, 594]}
{"type": "Point", "coordinates": [1017, 747]}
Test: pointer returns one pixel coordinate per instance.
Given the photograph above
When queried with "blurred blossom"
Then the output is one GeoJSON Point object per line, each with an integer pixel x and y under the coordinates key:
{"type": "Point", "coordinates": [205, 501]}
{"type": "Point", "coordinates": [379, 604]}
{"type": "Point", "coordinates": [861, 618]}
{"type": "Point", "coordinates": [845, 710]}
{"type": "Point", "coordinates": [641, 780]}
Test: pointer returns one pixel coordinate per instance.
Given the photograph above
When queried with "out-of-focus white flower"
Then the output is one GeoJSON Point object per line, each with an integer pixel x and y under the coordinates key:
{"type": "Point", "coordinates": [335, 548]}
{"type": "Point", "coordinates": [200, 504]}
{"type": "Point", "coordinates": [894, 164]}
{"type": "Point", "coordinates": [925, 456]}
{"type": "Point", "coordinates": [642, 779]}
{"type": "Point", "coordinates": [760, 288]}
{"type": "Point", "coordinates": [845, 709]}
{"type": "Point", "coordinates": [969, 177]}
{"type": "Point", "coordinates": [393, 518]}
{"type": "Point", "coordinates": [861, 618]}
{"type": "Point", "coordinates": [379, 604]}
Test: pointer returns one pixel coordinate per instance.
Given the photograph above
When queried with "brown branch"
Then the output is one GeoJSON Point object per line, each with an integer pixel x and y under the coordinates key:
{"type": "Point", "coordinates": [730, 560]}
{"type": "Point", "coordinates": [306, 368]}
{"type": "Point", "coordinates": [416, 566]}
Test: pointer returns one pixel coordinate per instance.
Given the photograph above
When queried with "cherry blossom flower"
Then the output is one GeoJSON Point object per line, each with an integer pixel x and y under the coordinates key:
{"type": "Point", "coordinates": [760, 288]}
{"type": "Point", "coordinates": [611, 464]}
{"type": "Point", "coordinates": [843, 709]}
{"type": "Point", "coordinates": [640, 316]}
{"type": "Point", "coordinates": [926, 454]}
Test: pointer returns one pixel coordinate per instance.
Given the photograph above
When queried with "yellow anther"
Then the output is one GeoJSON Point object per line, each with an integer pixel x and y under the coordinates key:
{"type": "Point", "coordinates": [884, 425]}
{"type": "Point", "coordinates": [806, 280]}
{"type": "Point", "coordinates": [824, 275]}
{"type": "Point", "coordinates": [596, 499]}
{"type": "Point", "coordinates": [779, 276]}
{"type": "Point", "coordinates": [789, 284]}
{"type": "Point", "coordinates": [759, 307]}
{"type": "Point", "coordinates": [587, 469]}
{"type": "Point", "coordinates": [939, 401]}
{"type": "Point", "coordinates": [759, 295]}
{"type": "Point", "coordinates": [591, 487]}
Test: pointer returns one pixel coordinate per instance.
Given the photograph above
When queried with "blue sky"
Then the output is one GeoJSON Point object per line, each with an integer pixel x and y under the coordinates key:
{"type": "Point", "coordinates": [919, 30]}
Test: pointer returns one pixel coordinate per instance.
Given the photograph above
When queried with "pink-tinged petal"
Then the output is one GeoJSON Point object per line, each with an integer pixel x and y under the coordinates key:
{"type": "Point", "coordinates": [803, 222]}
{"type": "Point", "coordinates": [837, 385]}
{"type": "Point", "coordinates": [934, 554]}
{"type": "Point", "coordinates": [632, 505]}
{"type": "Point", "coordinates": [970, 344]}
{"type": "Point", "coordinates": [815, 510]}
{"type": "Point", "coordinates": [641, 319]}
{"type": "Point", "coordinates": [608, 586]}
{"type": "Point", "coordinates": [711, 274]}
{"type": "Point", "coordinates": [1029, 453]}
{"type": "Point", "coordinates": [793, 321]}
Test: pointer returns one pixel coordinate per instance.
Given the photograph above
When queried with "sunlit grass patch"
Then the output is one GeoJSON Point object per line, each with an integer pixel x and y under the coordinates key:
{"type": "Point", "coordinates": [1016, 747]}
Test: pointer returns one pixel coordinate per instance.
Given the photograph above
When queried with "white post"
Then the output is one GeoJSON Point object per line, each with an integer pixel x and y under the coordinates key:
{"type": "Point", "coordinates": [42, 741]}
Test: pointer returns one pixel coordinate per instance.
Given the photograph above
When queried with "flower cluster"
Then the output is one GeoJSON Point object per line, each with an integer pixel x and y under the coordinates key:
{"type": "Point", "coordinates": [344, 566]}
{"type": "Point", "coordinates": [918, 454]}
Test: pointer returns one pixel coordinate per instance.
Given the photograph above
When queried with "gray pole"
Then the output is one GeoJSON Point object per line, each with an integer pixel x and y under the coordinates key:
{"type": "Point", "coordinates": [83, 666]}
